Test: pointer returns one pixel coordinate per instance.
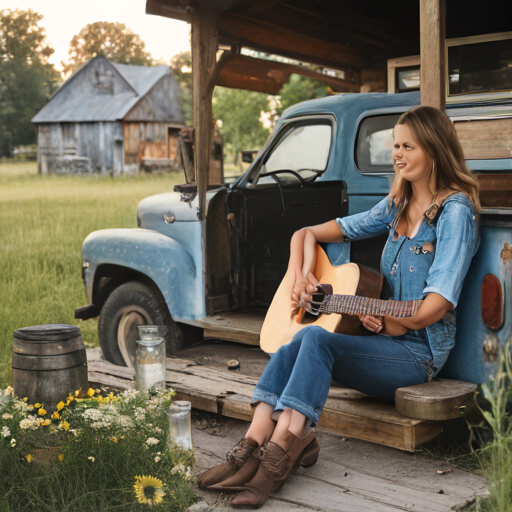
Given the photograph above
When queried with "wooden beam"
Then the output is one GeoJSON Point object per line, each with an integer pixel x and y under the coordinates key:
{"type": "Point", "coordinates": [432, 53]}
{"type": "Point", "coordinates": [331, 30]}
{"type": "Point", "coordinates": [243, 72]}
{"type": "Point", "coordinates": [365, 29]}
{"type": "Point", "coordinates": [234, 28]}
{"type": "Point", "coordinates": [204, 50]}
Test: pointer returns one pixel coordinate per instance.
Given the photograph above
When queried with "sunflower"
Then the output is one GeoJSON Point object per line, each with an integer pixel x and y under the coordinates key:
{"type": "Point", "coordinates": [148, 489]}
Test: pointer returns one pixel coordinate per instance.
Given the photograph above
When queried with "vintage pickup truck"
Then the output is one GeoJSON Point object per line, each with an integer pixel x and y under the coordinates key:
{"type": "Point", "coordinates": [326, 158]}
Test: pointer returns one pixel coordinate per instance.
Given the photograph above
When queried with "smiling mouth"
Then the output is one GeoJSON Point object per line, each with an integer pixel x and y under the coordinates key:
{"type": "Point", "coordinates": [400, 165]}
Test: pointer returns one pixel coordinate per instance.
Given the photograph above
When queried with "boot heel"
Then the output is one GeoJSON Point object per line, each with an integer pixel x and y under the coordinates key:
{"type": "Point", "coordinates": [310, 458]}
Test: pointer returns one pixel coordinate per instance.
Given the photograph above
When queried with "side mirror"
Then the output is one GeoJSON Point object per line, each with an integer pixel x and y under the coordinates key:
{"type": "Point", "coordinates": [248, 156]}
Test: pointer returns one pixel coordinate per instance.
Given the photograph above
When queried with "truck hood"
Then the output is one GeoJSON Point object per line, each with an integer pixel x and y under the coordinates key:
{"type": "Point", "coordinates": [152, 209]}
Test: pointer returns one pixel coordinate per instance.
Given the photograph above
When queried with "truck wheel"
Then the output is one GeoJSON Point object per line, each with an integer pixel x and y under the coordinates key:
{"type": "Point", "coordinates": [128, 306]}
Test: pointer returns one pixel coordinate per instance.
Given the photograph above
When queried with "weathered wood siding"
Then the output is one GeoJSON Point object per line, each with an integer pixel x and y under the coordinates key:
{"type": "Point", "coordinates": [148, 140]}
{"type": "Point", "coordinates": [161, 103]}
{"type": "Point", "coordinates": [68, 148]}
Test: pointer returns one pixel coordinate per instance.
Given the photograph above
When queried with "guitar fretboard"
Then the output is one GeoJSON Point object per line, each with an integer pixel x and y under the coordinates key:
{"type": "Point", "coordinates": [355, 305]}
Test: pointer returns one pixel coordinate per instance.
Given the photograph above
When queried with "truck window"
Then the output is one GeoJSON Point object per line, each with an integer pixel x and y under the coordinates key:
{"type": "Point", "coordinates": [303, 149]}
{"type": "Point", "coordinates": [374, 144]}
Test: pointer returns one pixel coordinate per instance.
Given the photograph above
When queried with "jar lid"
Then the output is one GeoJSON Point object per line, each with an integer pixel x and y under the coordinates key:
{"type": "Point", "coordinates": [181, 404]}
{"type": "Point", "coordinates": [150, 343]}
{"type": "Point", "coordinates": [48, 332]}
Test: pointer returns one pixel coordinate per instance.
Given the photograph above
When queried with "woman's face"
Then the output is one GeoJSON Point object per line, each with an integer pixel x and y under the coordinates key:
{"type": "Point", "coordinates": [413, 163]}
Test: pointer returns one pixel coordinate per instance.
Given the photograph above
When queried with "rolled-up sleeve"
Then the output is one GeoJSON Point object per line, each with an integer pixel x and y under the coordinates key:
{"type": "Point", "coordinates": [456, 245]}
{"type": "Point", "coordinates": [366, 224]}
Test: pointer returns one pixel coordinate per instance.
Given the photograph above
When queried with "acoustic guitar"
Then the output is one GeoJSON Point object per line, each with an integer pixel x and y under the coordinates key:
{"type": "Point", "coordinates": [355, 290]}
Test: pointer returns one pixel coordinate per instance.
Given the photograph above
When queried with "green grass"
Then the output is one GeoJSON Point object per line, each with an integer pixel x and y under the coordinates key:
{"type": "Point", "coordinates": [43, 222]}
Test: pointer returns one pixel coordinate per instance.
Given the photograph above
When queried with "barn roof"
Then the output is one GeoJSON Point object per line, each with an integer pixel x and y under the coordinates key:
{"type": "Point", "coordinates": [79, 101]}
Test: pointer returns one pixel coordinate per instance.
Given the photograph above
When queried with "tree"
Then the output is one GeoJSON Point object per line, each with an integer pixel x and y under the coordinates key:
{"type": "Point", "coordinates": [239, 112]}
{"type": "Point", "coordinates": [110, 40]}
{"type": "Point", "coordinates": [181, 67]}
{"type": "Point", "coordinates": [27, 79]}
{"type": "Point", "coordinates": [300, 88]}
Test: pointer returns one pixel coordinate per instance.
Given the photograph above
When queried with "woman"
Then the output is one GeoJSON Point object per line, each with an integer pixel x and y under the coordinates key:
{"type": "Point", "coordinates": [430, 218]}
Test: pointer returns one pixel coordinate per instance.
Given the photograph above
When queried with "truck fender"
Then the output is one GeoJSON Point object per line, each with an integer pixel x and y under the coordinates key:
{"type": "Point", "coordinates": [160, 258]}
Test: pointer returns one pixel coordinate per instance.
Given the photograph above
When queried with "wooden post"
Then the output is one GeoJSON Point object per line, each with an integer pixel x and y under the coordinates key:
{"type": "Point", "coordinates": [433, 56]}
{"type": "Point", "coordinates": [204, 50]}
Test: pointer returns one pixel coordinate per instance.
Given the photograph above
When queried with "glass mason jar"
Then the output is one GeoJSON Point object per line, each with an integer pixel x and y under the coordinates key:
{"type": "Point", "coordinates": [180, 428]}
{"type": "Point", "coordinates": [150, 358]}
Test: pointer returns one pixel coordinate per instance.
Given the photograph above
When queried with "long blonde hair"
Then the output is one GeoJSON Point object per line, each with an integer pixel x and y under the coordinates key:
{"type": "Point", "coordinates": [436, 135]}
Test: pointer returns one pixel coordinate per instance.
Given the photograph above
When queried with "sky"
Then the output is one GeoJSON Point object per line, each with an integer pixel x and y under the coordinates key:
{"type": "Point", "coordinates": [65, 18]}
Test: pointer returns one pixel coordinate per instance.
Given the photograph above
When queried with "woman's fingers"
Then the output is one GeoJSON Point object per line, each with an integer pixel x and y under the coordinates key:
{"type": "Point", "coordinates": [372, 323]}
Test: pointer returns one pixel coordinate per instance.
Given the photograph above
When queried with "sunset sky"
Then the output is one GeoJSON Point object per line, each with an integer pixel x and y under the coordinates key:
{"type": "Point", "coordinates": [64, 18]}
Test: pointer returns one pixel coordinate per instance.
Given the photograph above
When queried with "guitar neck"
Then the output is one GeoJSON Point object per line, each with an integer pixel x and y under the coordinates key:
{"type": "Point", "coordinates": [355, 305]}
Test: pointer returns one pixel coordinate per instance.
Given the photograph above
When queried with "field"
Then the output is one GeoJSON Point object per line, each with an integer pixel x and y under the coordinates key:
{"type": "Point", "coordinates": [43, 222]}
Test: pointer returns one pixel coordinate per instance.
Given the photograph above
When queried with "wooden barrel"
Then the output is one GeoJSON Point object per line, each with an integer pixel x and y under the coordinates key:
{"type": "Point", "coordinates": [48, 363]}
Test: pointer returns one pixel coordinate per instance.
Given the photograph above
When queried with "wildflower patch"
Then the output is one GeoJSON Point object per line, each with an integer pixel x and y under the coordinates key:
{"type": "Point", "coordinates": [97, 450]}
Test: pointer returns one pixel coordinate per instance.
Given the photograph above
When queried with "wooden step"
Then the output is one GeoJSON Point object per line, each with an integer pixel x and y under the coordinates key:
{"type": "Point", "coordinates": [242, 326]}
{"type": "Point", "coordinates": [439, 399]}
{"type": "Point", "coordinates": [229, 393]}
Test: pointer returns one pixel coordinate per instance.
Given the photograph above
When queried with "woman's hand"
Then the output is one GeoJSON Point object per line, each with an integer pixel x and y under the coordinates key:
{"type": "Point", "coordinates": [372, 323]}
{"type": "Point", "coordinates": [298, 289]}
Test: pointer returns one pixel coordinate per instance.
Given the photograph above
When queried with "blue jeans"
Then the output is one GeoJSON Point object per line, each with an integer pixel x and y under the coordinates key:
{"type": "Point", "coordinates": [299, 374]}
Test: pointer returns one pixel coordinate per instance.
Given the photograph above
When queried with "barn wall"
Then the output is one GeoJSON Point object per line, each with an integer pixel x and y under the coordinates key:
{"type": "Point", "coordinates": [161, 103]}
{"type": "Point", "coordinates": [149, 141]}
{"type": "Point", "coordinates": [75, 148]}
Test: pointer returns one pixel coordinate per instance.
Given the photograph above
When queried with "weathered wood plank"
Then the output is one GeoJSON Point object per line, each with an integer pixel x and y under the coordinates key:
{"type": "Point", "coordinates": [297, 46]}
{"type": "Point", "coordinates": [204, 48]}
{"type": "Point", "coordinates": [353, 475]}
{"type": "Point", "coordinates": [244, 327]}
{"type": "Point", "coordinates": [432, 53]}
{"type": "Point", "coordinates": [485, 139]}
{"type": "Point", "coordinates": [229, 394]}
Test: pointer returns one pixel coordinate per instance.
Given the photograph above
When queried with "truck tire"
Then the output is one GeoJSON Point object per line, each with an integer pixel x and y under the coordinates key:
{"type": "Point", "coordinates": [129, 305]}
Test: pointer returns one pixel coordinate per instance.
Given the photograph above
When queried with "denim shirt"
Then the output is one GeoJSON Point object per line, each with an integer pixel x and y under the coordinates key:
{"type": "Point", "coordinates": [412, 269]}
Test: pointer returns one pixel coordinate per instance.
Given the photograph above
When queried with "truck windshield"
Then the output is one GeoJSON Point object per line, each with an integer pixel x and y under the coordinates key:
{"type": "Point", "coordinates": [304, 149]}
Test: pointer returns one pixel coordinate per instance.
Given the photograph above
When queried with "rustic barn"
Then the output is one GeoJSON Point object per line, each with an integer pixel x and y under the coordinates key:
{"type": "Point", "coordinates": [111, 118]}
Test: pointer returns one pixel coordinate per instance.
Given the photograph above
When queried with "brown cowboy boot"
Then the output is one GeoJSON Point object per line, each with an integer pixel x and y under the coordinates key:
{"type": "Point", "coordinates": [237, 481]}
{"type": "Point", "coordinates": [275, 467]}
{"type": "Point", "coordinates": [235, 459]}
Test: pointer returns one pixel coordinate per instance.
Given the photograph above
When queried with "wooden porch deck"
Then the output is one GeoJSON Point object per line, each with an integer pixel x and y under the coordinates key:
{"type": "Point", "coordinates": [351, 475]}
{"type": "Point", "coordinates": [200, 376]}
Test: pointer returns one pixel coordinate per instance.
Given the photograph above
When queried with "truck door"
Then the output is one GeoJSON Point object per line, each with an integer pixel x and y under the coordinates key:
{"type": "Point", "coordinates": [285, 193]}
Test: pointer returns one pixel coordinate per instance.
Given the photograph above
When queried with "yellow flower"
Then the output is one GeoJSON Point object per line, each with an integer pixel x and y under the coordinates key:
{"type": "Point", "coordinates": [25, 399]}
{"type": "Point", "coordinates": [149, 490]}
{"type": "Point", "coordinates": [113, 439]}
{"type": "Point", "coordinates": [60, 406]}
{"type": "Point", "coordinates": [77, 392]}
{"type": "Point", "coordinates": [61, 457]}
{"type": "Point", "coordinates": [97, 391]}
{"type": "Point", "coordinates": [55, 416]}
{"type": "Point", "coordinates": [30, 458]}
{"type": "Point", "coordinates": [99, 399]}
{"type": "Point", "coordinates": [41, 412]}
{"type": "Point", "coordinates": [64, 425]}
{"type": "Point", "coordinates": [47, 422]}
{"type": "Point", "coordinates": [38, 405]}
